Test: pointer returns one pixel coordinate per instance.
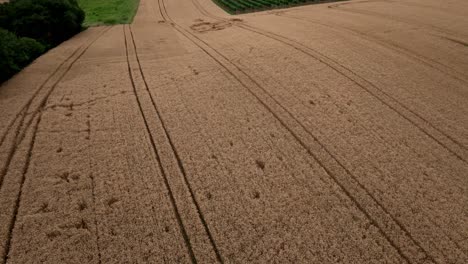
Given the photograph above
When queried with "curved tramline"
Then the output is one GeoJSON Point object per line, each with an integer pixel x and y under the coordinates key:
{"type": "Point", "coordinates": [312, 134]}
{"type": "Point", "coordinates": [244, 6]}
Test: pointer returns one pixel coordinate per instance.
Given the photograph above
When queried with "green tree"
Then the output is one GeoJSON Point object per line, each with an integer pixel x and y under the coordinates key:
{"type": "Point", "coordinates": [48, 21]}
{"type": "Point", "coordinates": [16, 53]}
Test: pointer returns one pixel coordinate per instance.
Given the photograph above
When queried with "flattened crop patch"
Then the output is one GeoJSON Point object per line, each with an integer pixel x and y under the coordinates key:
{"type": "Point", "coordinates": [202, 27]}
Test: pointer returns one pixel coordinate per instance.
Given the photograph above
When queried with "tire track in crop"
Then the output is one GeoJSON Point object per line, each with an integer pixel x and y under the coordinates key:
{"type": "Point", "coordinates": [299, 46]}
{"type": "Point", "coordinates": [443, 139]}
{"type": "Point", "coordinates": [454, 73]}
{"type": "Point", "coordinates": [430, 7]}
{"type": "Point", "coordinates": [440, 30]}
{"type": "Point", "coordinates": [176, 154]}
{"type": "Point", "coordinates": [256, 30]}
{"type": "Point", "coordinates": [412, 247]}
{"type": "Point", "coordinates": [446, 141]}
{"type": "Point", "coordinates": [24, 109]}
{"type": "Point", "coordinates": [153, 144]}
{"type": "Point", "coordinates": [7, 243]}
{"type": "Point", "coordinates": [35, 115]}
{"type": "Point", "coordinates": [21, 116]}
{"type": "Point", "coordinates": [23, 125]}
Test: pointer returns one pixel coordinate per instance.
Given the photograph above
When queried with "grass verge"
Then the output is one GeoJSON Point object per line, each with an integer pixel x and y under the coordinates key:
{"type": "Point", "coordinates": [108, 12]}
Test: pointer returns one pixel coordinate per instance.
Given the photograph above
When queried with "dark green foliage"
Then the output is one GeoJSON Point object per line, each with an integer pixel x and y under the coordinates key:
{"type": "Point", "coordinates": [48, 21]}
{"type": "Point", "coordinates": [16, 53]}
{"type": "Point", "coordinates": [29, 27]}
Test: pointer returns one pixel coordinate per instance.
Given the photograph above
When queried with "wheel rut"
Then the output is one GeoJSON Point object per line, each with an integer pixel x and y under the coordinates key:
{"type": "Point", "coordinates": [35, 104]}
{"type": "Point", "coordinates": [270, 104]}
{"type": "Point", "coordinates": [180, 165]}
{"type": "Point", "coordinates": [344, 7]}
{"type": "Point", "coordinates": [23, 110]}
{"type": "Point", "coordinates": [197, 154]}
{"type": "Point", "coordinates": [32, 126]}
{"type": "Point", "coordinates": [441, 67]}
{"type": "Point", "coordinates": [443, 139]}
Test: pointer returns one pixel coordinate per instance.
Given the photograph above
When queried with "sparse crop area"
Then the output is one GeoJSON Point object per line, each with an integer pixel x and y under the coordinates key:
{"type": "Point", "coordinates": [243, 6]}
{"type": "Point", "coordinates": [108, 12]}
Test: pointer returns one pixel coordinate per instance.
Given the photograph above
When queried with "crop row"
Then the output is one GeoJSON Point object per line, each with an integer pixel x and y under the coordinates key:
{"type": "Point", "coordinates": [235, 6]}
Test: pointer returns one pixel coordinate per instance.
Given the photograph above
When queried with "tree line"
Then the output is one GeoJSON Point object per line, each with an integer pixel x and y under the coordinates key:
{"type": "Point", "coordinates": [28, 28]}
